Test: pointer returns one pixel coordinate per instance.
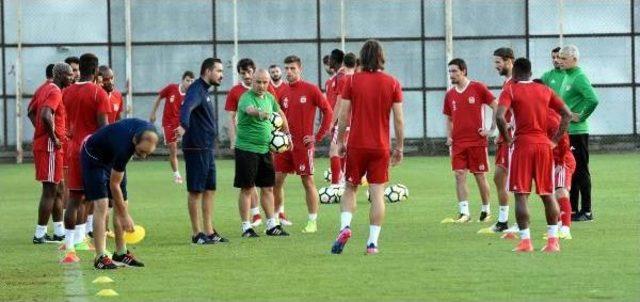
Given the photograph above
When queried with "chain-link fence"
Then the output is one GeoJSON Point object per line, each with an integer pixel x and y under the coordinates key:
{"type": "Point", "coordinates": [150, 43]}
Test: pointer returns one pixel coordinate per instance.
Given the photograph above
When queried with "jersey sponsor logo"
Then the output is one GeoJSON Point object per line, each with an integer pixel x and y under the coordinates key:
{"type": "Point", "coordinates": [472, 100]}
{"type": "Point", "coordinates": [172, 98]}
{"type": "Point", "coordinates": [303, 99]}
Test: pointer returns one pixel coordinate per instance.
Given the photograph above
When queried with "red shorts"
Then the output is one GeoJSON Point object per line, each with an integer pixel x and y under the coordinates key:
{"type": "Point", "coordinates": [299, 161]}
{"type": "Point", "coordinates": [474, 159]}
{"type": "Point", "coordinates": [372, 163]}
{"type": "Point", "coordinates": [74, 173]}
{"type": "Point", "coordinates": [169, 134]}
{"type": "Point", "coordinates": [531, 162]}
{"type": "Point", "coordinates": [48, 165]}
{"type": "Point", "coordinates": [502, 155]}
{"type": "Point", "coordinates": [334, 136]}
{"type": "Point", "coordinates": [563, 173]}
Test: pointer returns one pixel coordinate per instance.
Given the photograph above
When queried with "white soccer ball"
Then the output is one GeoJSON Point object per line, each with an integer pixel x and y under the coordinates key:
{"type": "Point", "coordinates": [327, 195]}
{"type": "Point", "coordinates": [327, 175]}
{"type": "Point", "coordinates": [280, 142]}
{"type": "Point", "coordinates": [276, 120]}
{"type": "Point", "coordinates": [404, 191]}
{"type": "Point", "coordinates": [338, 192]}
{"type": "Point", "coordinates": [393, 194]}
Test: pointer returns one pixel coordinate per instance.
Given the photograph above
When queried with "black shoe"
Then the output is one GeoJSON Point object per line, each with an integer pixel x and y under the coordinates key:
{"type": "Point", "coordinates": [500, 227]}
{"type": "Point", "coordinates": [484, 216]}
{"type": "Point", "coordinates": [215, 237]}
{"type": "Point", "coordinates": [277, 231]}
{"type": "Point", "coordinates": [583, 216]}
{"type": "Point", "coordinates": [90, 234]}
{"type": "Point", "coordinates": [127, 260]}
{"type": "Point", "coordinates": [250, 233]}
{"type": "Point", "coordinates": [57, 239]}
{"type": "Point", "coordinates": [104, 262]}
{"type": "Point", "coordinates": [40, 240]}
{"type": "Point", "coordinates": [201, 238]}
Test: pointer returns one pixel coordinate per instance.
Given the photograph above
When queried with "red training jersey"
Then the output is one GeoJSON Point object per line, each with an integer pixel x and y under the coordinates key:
{"type": "Point", "coordinates": [508, 116]}
{"type": "Point", "coordinates": [563, 149]}
{"type": "Point", "coordinates": [372, 95]}
{"type": "Point", "coordinates": [466, 113]}
{"type": "Point", "coordinates": [116, 104]}
{"type": "Point", "coordinates": [83, 102]}
{"type": "Point", "coordinates": [233, 97]}
{"type": "Point", "coordinates": [530, 103]}
{"type": "Point", "coordinates": [49, 96]}
{"type": "Point", "coordinates": [173, 99]}
{"type": "Point", "coordinates": [299, 102]}
{"type": "Point", "coordinates": [33, 99]}
{"type": "Point", "coordinates": [334, 87]}
{"type": "Point", "coordinates": [277, 90]}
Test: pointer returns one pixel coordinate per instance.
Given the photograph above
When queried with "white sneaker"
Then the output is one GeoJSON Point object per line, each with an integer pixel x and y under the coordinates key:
{"type": "Point", "coordinates": [513, 229]}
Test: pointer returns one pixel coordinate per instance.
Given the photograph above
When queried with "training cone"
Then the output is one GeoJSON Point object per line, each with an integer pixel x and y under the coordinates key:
{"type": "Point", "coordinates": [448, 220]}
{"type": "Point", "coordinates": [107, 293]}
{"type": "Point", "coordinates": [486, 231]}
{"type": "Point", "coordinates": [102, 279]}
{"type": "Point", "coordinates": [510, 236]}
{"type": "Point", "coordinates": [136, 236]}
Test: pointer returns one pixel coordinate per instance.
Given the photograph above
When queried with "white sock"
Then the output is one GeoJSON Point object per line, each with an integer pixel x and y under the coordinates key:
{"type": "Point", "coordinates": [176, 173]}
{"type": "Point", "coordinates": [69, 239]}
{"type": "Point", "coordinates": [271, 223]}
{"type": "Point", "coordinates": [503, 214]}
{"type": "Point", "coordinates": [464, 207]}
{"type": "Point", "coordinates": [281, 209]}
{"type": "Point", "coordinates": [313, 217]}
{"type": "Point", "coordinates": [58, 228]}
{"type": "Point", "coordinates": [89, 227]}
{"type": "Point", "coordinates": [486, 208]}
{"type": "Point", "coordinates": [246, 225]}
{"type": "Point", "coordinates": [525, 234]}
{"type": "Point", "coordinates": [565, 229]}
{"type": "Point", "coordinates": [80, 233]}
{"type": "Point", "coordinates": [255, 211]}
{"type": "Point", "coordinates": [552, 231]}
{"type": "Point", "coordinates": [374, 232]}
{"type": "Point", "coordinates": [345, 219]}
{"type": "Point", "coordinates": [41, 230]}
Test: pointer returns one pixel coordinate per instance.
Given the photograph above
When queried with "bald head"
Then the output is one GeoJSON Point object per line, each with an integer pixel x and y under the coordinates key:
{"type": "Point", "coordinates": [146, 143]}
{"type": "Point", "coordinates": [62, 74]}
{"type": "Point", "coordinates": [261, 80]}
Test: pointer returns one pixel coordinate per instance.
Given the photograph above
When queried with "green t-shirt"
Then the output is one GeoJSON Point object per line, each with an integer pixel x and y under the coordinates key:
{"type": "Point", "coordinates": [254, 134]}
{"type": "Point", "coordinates": [578, 94]}
{"type": "Point", "coordinates": [553, 78]}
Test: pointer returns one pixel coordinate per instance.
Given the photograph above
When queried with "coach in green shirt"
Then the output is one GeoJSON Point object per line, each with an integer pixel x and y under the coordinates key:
{"type": "Point", "coordinates": [578, 94]}
{"type": "Point", "coordinates": [254, 164]}
{"type": "Point", "coordinates": [554, 77]}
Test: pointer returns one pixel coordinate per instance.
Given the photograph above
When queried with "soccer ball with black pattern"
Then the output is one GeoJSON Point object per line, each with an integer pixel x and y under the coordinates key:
{"type": "Point", "coordinates": [276, 120]}
{"type": "Point", "coordinates": [327, 175]}
{"type": "Point", "coordinates": [280, 142]}
{"type": "Point", "coordinates": [338, 192]}
{"type": "Point", "coordinates": [327, 195]}
{"type": "Point", "coordinates": [393, 194]}
{"type": "Point", "coordinates": [404, 190]}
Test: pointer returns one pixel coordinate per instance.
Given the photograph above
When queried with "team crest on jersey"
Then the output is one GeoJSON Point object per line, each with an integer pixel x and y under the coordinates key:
{"type": "Point", "coordinates": [172, 98]}
{"type": "Point", "coordinates": [285, 102]}
{"type": "Point", "coordinates": [472, 100]}
{"type": "Point", "coordinates": [303, 99]}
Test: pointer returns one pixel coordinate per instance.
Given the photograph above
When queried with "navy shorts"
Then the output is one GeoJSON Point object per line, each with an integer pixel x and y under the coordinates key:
{"type": "Point", "coordinates": [201, 170]}
{"type": "Point", "coordinates": [95, 177]}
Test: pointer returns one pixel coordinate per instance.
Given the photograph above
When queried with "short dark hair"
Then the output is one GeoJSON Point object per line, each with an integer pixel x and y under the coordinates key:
{"type": "Point", "coordinates": [460, 63]}
{"type": "Point", "coordinates": [245, 64]}
{"type": "Point", "coordinates": [103, 69]}
{"type": "Point", "coordinates": [325, 60]}
{"type": "Point", "coordinates": [557, 49]}
{"type": "Point", "coordinates": [522, 66]}
{"type": "Point", "coordinates": [208, 63]}
{"type": "Point", "coordinates": [350, 60]}
{"type": "Point", "coordinates": [273, 66]}
{"type": "Point", "coordinates": [88, 64]}
{"type": "Point", "coordinates": [336, 58]}
{"type": "Point", "coordinates": [48, 72]}
{"type": "Point", "coordinates": [293, 59]}
{"type": "Point", "coordinates": [372, 56]}
{"type": "Point", "coordinates": [72, 59]}
{"type": "Point", "coordinates": [188, 73]}
{"type": "Point", "coordinates": [504, 53]}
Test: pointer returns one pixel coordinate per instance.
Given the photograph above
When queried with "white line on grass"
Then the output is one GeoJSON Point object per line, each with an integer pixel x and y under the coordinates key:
{"type": "Point", "coordinates": [74, 284]}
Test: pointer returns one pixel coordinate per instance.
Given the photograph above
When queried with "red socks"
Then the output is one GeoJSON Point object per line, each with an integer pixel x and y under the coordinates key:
{"type": "Point", "coordinates": [336, 170]}
{"type": "Point", "coordinates": [565, 211]}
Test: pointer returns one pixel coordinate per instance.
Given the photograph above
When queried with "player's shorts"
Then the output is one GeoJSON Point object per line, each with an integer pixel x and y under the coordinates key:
{"type": "Point", "coordinates": [531, 162]}
{"type": "Point", "coordinates": [299, 161]}
{"type": "Point", "coordinates": [372, 163]}
{"type": "Point", "coordinates": [254, 170]}
{"type": "Point", "coordinates": [475, 159]}
{"type": "Point", "coordinates": [169, 133]}
{"type": "Point", "coordinates": [502, 155]}
{"type": "Point", "coordinates": [334, 135]}
{"type": "Point", "coordinates": [563, 173]}
{"type": "Point", "coordinates": [96, 177]}
{"type": "Point", "coordinates": [74, 173]}
{"type": "Point", "coordinates": [201, 170]}
{"type": "Point", "coordinates": [49, 165]}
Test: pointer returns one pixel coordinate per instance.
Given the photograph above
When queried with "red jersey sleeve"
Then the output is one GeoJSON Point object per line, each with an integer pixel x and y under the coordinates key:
{"type": "Point", "coordinates": [506, 97]}
{"type": "Point", "coordinates": [102, 100]}
{"type": "Point", "coordinates": [121, 107]}
{"type": "Point", "coordinates": [555, 102]}
{"type": "Point", "coordinates": [397, 92]}
{"type": "Point", "coordinates": [271, 90]}
{"type": "Point", "coordinates": [327, 114]}
{"type": "Point", "coordinates": [345, 94]}
{"type": "Point", "coordinates": [53, 100]}
{"type": "Point", "coordinates": [487, 95]}
{"type": "Point", "coordinates": [164, 93]}
{"type": "Point", "coordinates": [231, 104]}
{"type": "Point", "coordinates": [446, 110]}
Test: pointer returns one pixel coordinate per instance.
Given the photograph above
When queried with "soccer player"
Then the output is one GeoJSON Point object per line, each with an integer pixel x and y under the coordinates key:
{"type": "Point", "coordinates": [199, 130]}
{"type": "Point", "coordinates": [532, 156]}
{"type": "Point", "coordinates": [48, 117]}
{"type": "Point", "coordinates": [87, 107]}
{"type": "Point", "coordinates": [104, 158]}
{"type": "Point", "coordinates": [467, 136]}
{"type": "Point", "coordinates": [254, 163]}
{"type": "Point", "coordinates": [245, 69]}
{"type": "Point", "coordinates": [578, 94]}
{"type": "Point", "coordinates": [299, 102]}
{"type": "Point", "coordinates": [369, 98]}
{"type": "Point", "coordinates": [333, 90]}
{"type": "Point", "coordinates": [107, 81]}
{"type": "Point", "coordinates": [173, 96]}
{"type": "Point", "coordinates": [277, 84]}
{"type": "Point", "coordinates": [74, 62]}
{"type": "Point", "coordinates": [327, 66]}
{"type": "Point", "coordinates": [554, 77]}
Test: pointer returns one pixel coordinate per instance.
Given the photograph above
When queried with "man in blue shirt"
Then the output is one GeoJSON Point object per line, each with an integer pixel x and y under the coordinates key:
{"type": "Point", "coordinates": [104, 157]}
{"type": "Point", "coordinates": [199, 129]}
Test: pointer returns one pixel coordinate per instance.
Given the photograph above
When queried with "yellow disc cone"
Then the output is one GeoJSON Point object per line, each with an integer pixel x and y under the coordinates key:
{"type": "Point", "coordinates": [136, 236]}
{"type": "Point", "coordinates": [107, 293]}
{"type": "Point", "coordinates": [102, 279]}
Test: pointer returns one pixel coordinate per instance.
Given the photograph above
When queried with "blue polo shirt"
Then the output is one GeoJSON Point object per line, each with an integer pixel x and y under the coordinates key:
{"type": "Point", "coordinates": [197, 117]}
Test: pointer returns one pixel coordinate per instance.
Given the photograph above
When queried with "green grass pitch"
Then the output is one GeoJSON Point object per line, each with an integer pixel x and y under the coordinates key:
{"type": "Point", "coordinates": [420, 258]}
